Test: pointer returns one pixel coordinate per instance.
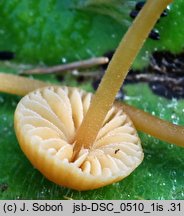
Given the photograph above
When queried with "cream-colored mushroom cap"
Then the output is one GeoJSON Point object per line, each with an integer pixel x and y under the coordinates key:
{"type": "Point", "coordinates": [46, 121]}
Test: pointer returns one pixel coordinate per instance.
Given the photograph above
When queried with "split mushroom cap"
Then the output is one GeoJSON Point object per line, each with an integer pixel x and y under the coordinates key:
{"type": "Point", "coordinates": [46, 121]}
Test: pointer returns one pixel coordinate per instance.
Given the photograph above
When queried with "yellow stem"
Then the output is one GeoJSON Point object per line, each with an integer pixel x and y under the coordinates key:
{"type": "Point", "coordinates": [13, 84]}
{"type": "Point", "coordinates": [143, 121]}
{"type": "Point", "coordinates": [117, 71]}
{"type": "Point", "coordinates": [156, 127]}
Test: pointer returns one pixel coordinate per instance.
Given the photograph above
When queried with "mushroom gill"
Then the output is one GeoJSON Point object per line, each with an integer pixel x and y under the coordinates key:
{"type": "Point", "coordinates": [46, 122]}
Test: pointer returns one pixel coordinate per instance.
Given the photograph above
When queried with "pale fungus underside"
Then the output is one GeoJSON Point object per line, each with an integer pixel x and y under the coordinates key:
{"type": "Point", "coordinates": [46, 121]}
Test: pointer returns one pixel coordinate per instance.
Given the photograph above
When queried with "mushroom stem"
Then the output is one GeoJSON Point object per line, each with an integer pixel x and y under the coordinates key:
{"type": "Point", "coordinates": [13, 84]}
{"type": "Point", "coordinates": [143, 121]}
{"type": "Point", "coordinates": [116, 72]}
{"type": "Point", "coordinates": [156, 127]}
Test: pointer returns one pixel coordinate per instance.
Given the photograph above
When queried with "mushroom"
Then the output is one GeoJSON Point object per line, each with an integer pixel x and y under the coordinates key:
{"type": "Point", "coordinates": [46, 121]}
{"type": "Point", "coordinates": [142, 120]}
{"type": "Point", "coordinates": [83, 141]}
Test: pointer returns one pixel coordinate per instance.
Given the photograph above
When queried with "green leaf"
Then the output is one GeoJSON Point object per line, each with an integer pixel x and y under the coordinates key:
{"type": "Point", "coordinates": [170, 27]}
{"type": "Point", "coordinates": [53, 31]}
{"type": "Point", "coordinates": [58, 31]}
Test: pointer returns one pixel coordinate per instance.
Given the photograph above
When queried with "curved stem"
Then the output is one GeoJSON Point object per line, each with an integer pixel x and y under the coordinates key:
{"type": "Point", "coordinates": [143, 121]}
{"type": "Point", "coordinates": [13, 84]}
{"type": "Point", "coordinates": [116, 72]}
{"type": "Point", "coordinates": [154, 126]}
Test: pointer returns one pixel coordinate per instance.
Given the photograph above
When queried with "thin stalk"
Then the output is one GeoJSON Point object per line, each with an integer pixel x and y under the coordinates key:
{"type": "Point", "coordinates": [116, 72]}
{"type": "Point", "coordinates": [154, 126]}
{"type": "Point", "coordinates": [13, 84]}
{"type": "Point", "coordinates": [143, 121]}
{"type": "Point", "coordinates": [70, 66]}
